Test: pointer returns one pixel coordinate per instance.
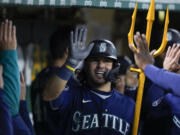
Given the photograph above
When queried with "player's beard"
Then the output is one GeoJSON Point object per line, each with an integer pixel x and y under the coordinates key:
{"type": "Point", "coordinates": [95, 80]}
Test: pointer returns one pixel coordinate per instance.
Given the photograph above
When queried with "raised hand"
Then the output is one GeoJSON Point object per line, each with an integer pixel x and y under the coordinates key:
{"type": "Point", "coordinates": [23, 87]}
{"type": "Point", "coordinates": [8, 39]}
{"type": "Point", "coordinates": [78, 49]}
{"type": "Point", "coordinates": [171, 61]}
{"type": "Point", "coordinates": [1, 77]}
{"type": "Point", "coordinates": [141, 55]}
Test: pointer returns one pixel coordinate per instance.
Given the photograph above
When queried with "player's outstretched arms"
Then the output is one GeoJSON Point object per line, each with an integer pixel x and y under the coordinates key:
{"type": "Point", "coordinates": [77, 53]}
{"type": "Point", "coordinates": [167, 80]}
{"type": "Point", "coordinates": [144, 60]}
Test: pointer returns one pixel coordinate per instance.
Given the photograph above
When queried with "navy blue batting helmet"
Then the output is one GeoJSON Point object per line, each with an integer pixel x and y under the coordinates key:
{"type": "Point", "coordinates": [173, 37]}
{"type": "Point", "coordinates": [103, 48]}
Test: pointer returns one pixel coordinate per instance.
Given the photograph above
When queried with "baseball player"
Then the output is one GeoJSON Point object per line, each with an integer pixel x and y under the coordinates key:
{"type": "Point", "coordinates": [124, 81]}
{"type": "Point", "coordinates": [162, 94]}
{"type": "Point", "coordinates": [120, 81]}
{"type": "Point", "coordinates": [89, 106]}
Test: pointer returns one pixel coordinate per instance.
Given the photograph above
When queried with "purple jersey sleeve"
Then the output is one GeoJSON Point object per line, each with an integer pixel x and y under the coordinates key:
{"type": "Point", "coordinates": [66, 97]}
{"type": "Point", "coordinates": [62, 101]}
{"type": "Point", "coordinates": [5, 117]}
{"type": "Point", "coordinates": [164, 79]}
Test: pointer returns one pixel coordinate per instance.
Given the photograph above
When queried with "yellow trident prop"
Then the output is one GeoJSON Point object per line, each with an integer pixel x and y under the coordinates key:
{"type": "Point", "coordinates": [150, 18]}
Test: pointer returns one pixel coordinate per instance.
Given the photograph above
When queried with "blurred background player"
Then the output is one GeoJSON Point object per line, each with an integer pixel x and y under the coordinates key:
{"type": "Point", "coordinates": [125, 81]}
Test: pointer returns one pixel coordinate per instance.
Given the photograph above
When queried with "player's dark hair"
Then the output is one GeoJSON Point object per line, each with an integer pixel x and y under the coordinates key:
{"type": "Point", "coordinates": [60, 41]}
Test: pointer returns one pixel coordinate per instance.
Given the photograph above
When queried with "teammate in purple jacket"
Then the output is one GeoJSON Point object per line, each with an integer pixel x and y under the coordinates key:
{"type": "Point", "coordinates": [164, 87]}
{"type": "Point", "coordinates": [89, 106]}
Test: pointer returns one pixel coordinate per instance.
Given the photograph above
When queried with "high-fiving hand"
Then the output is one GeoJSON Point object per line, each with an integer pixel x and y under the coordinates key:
{"type": "Point", "coordinates": [8, 39]}
{"type": "Point", "coordinates": [1, 77]}
{"type": "Point", "coordinates": [171, 61]}
{"type": "Point", "coordinates": [78, 50]}
{"type": "Point", "coordinates": [141, 55]}
{"type": "Point", "coordinates": [23, 87]}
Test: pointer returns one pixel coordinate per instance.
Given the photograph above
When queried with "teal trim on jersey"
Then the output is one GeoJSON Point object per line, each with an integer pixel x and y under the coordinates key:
{"type": "Point", "coordinates": [11, 77]}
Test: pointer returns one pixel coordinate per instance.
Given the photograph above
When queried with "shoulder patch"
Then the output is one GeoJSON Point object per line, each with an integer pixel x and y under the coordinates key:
{"type": "Point", "coordinates": [176, 121]}
{"type": "Point", "coordinates": [157, 102]}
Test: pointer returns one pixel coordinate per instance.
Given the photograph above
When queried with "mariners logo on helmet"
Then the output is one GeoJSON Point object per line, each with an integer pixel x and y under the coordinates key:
{"type": "Point", "coordinates": [173, 37]}
{"type": "Point", "coordinates": [103, 48]}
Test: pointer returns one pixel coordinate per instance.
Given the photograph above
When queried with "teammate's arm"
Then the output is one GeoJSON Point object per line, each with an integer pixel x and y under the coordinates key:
{"type": "Point", "coordinates": [23, 105]}
{"type": "Point", "coordinates": [77, 52]}
{"type": "Point", "coordinates": [167, 80]}
{"type": "Point", "coordinates": [8, 59]}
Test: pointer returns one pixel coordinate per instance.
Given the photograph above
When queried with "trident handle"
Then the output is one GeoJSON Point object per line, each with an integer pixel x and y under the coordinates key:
{"type": "Point", "coordinates": [138, 102]}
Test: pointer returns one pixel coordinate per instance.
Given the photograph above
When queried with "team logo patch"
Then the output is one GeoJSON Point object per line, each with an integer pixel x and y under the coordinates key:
{"type": "Point", "coordinates": [86, 101]}
{"type": "Point", "coordinates": [102, 47]}
{"type": "Point", "coordinates": [157, 102]}
{"type": "Point", "coordinates": [176, 121]}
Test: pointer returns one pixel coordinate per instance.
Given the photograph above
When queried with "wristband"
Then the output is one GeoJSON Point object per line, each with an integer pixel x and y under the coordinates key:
{"type": "Point", "coordinates": [70, 68]}
{"type": "Point", "coordinates": [65, 72]}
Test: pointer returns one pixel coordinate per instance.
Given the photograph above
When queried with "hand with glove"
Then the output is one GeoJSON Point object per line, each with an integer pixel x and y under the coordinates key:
{"type": "Point", "coordinates": [78, 50]}
{"type": "Point", "coordinates": [77, 53]}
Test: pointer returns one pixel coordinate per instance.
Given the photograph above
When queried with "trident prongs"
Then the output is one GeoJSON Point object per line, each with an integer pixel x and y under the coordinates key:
{"type": "Point", "coordinates": [150, 19]}
{"type": "Point", "coordinates": [164, 40]}
{"type": "Point", "coordinates": [131, 32]}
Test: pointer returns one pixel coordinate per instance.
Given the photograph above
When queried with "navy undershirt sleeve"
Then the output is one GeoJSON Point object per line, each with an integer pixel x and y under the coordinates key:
{"type": "Point", "coordinates": [25, 115]}
{"type": "Point", "coordinates": [6, 127]}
